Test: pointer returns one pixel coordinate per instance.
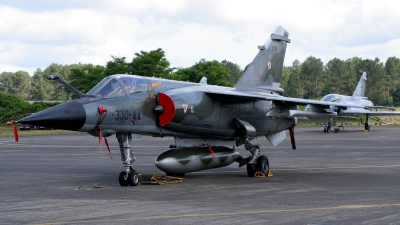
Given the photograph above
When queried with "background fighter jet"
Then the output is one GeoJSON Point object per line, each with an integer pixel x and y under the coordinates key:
{"type": "Point", "coordinates": [206, 121]}
{"type": "Point", "coordinates": [358, 98]}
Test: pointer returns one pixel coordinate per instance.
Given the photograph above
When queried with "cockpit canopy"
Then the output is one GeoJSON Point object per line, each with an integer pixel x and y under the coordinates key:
{"type": "Point", "coordinates": [119, 85]}
{"type": "Point", "coordinates": [332, 98]}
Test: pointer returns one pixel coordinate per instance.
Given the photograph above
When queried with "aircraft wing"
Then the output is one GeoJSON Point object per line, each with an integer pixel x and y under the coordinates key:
{"type": "Point", "coordinates": [350, 114]}
{"type": "Point", "coordinates": [327, 118]}
{"type": "Point", "coordinates": [229, 95]}
{"type": "Point", "coordinates": [366, 110]}
{"type": "Point", "coordinates": [380, 107]}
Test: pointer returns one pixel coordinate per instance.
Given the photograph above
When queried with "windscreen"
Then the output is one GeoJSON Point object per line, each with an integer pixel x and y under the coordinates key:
{"type": "Point", "coordinates": [134, 84]}
{"type": "Point", "coordinates": [119, 85]}
{"type": "Point", "coordinates": [107, 88]}
{"type": "Point", "coordinates": [332, 98]}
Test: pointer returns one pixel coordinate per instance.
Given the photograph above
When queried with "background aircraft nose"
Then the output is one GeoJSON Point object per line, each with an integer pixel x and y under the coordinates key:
{"type": "Point", "coordinates": [67, 116]}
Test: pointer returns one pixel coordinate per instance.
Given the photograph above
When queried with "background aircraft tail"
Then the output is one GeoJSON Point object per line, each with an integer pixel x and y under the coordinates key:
{"type": "Point", "coordinates": [266, 68]}
{"type": "Point", "coordinates": [360, 89]}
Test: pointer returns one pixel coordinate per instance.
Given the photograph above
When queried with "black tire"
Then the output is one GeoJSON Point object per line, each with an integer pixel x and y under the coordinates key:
{"type": "Point", "coordinates": [262, 165]}
{"type": "Point", "coordinates": [251, 169]}
{"type": "Point", "coordinates": [133, 178]}
{"type": "Point", "coordinates": [324, 130]}
{"type": "Point", "coordinates": [121, 179]}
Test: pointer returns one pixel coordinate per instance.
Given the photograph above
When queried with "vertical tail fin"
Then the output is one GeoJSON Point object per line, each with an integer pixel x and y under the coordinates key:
{"type": "Point", "coordinates": [266, 68]}
{"type": "Point", "coordinates": [360, 89]}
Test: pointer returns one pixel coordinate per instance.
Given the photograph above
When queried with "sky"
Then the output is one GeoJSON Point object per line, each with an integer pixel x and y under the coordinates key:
{"type": "Point", "coordinates": [37, 33]}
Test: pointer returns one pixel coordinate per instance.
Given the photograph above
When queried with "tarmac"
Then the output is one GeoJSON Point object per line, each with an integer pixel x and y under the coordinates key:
{"type": "Point", "coordinates": [350, 177]}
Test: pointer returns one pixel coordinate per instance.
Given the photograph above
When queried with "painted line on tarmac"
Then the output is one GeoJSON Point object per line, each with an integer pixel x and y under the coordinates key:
{"type": "Point", "coordinates": [7, 141]}
{"type": "Point", "coordinates": [95, 145]}
{"type": "Point", "coordinates": [143, 218]}
{"type": "Point", "coordinates": [344, 167]}
{"type": "Point", "coordinates": [342, 147]}
{"type": "Point", "coordinates": [54, 154]}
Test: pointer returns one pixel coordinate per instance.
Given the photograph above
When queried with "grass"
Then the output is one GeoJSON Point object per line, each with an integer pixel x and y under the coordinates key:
{"type": "Point", "coordinates": [8, 131]}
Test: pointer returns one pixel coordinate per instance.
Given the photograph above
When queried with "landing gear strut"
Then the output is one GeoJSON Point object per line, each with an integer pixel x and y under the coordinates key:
{"type": "Point", "coordinates": [327, 127]}
{"type": "Point", "coordinates": [129, 176]}
{"type": "Point", "coordinates": [367, 126]}
{"type": "Point", "coordinates": [255, 162]}
{"type": "Point", "coordinates": [253, 149]}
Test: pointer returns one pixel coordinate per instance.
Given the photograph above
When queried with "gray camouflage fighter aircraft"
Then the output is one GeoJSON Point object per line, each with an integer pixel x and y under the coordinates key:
{"type": "Point", "coordinates": [206, 121]}
{"type": "Point", "coordinates": [358, 98]}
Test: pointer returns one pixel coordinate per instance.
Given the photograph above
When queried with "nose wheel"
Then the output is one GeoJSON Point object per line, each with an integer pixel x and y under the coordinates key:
{"type": "Point", "coordinates": [130, 178]}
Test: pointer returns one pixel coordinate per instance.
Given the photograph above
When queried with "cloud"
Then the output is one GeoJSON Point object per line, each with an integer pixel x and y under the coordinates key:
{"type": "Point", "coordinates": [58, 28]}
{"type": "Point", "coordinates": [37, 33]}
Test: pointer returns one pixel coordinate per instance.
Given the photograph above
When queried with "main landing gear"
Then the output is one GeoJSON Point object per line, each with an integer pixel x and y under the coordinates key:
{"type": "Point", "coordinates": [327, 127]}
{"type": "Point", "coordinates": [255, 162]}
{"type": "Point", "coordinates": [367, 126]}
{"type": "Point", "coordinates": [262, 165]}
{"type": "Point", "coordinates": [129, 176]}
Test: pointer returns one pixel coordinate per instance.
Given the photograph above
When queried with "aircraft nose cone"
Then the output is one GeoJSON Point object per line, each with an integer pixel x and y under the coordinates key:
{"type": "Point", "coordinates": [67, 116]}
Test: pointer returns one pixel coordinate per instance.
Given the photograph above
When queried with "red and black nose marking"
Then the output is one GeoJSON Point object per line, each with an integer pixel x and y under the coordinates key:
{"type": "Point", "coordinates": [67, 116]}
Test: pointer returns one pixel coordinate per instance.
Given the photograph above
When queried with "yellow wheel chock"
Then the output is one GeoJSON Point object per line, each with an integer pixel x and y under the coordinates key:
{"type": "Point", "coordinates": [260, 174]}
{"type": "Point", "coordinates": [159, 179]}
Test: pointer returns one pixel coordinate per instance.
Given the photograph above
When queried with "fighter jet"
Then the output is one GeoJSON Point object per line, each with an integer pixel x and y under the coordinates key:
{"type": "Point", "coordinates": [358, 98]}
{"type": "Point", "coordinates": [207, 122]}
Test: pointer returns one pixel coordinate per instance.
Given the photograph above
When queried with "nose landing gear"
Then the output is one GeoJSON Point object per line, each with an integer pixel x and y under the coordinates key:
{"type": "Point", "coordinates": [129, 176]}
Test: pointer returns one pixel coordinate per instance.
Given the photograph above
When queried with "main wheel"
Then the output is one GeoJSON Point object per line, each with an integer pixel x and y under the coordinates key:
{"type": "Point", "coordinates": [122, 180]}
{"type": "Point", "coordinates": [251, 170]}
{"type": "Point", "coordinates": [262, 165]}
{"type": "Point", "coordinates": [133, 178]}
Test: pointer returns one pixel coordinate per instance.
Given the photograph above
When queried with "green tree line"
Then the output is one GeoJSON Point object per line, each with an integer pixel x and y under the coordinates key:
{"type": "Point", "coordinates": [13, 107]}
{"type": "Point", "coordinates": [310, 79]}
